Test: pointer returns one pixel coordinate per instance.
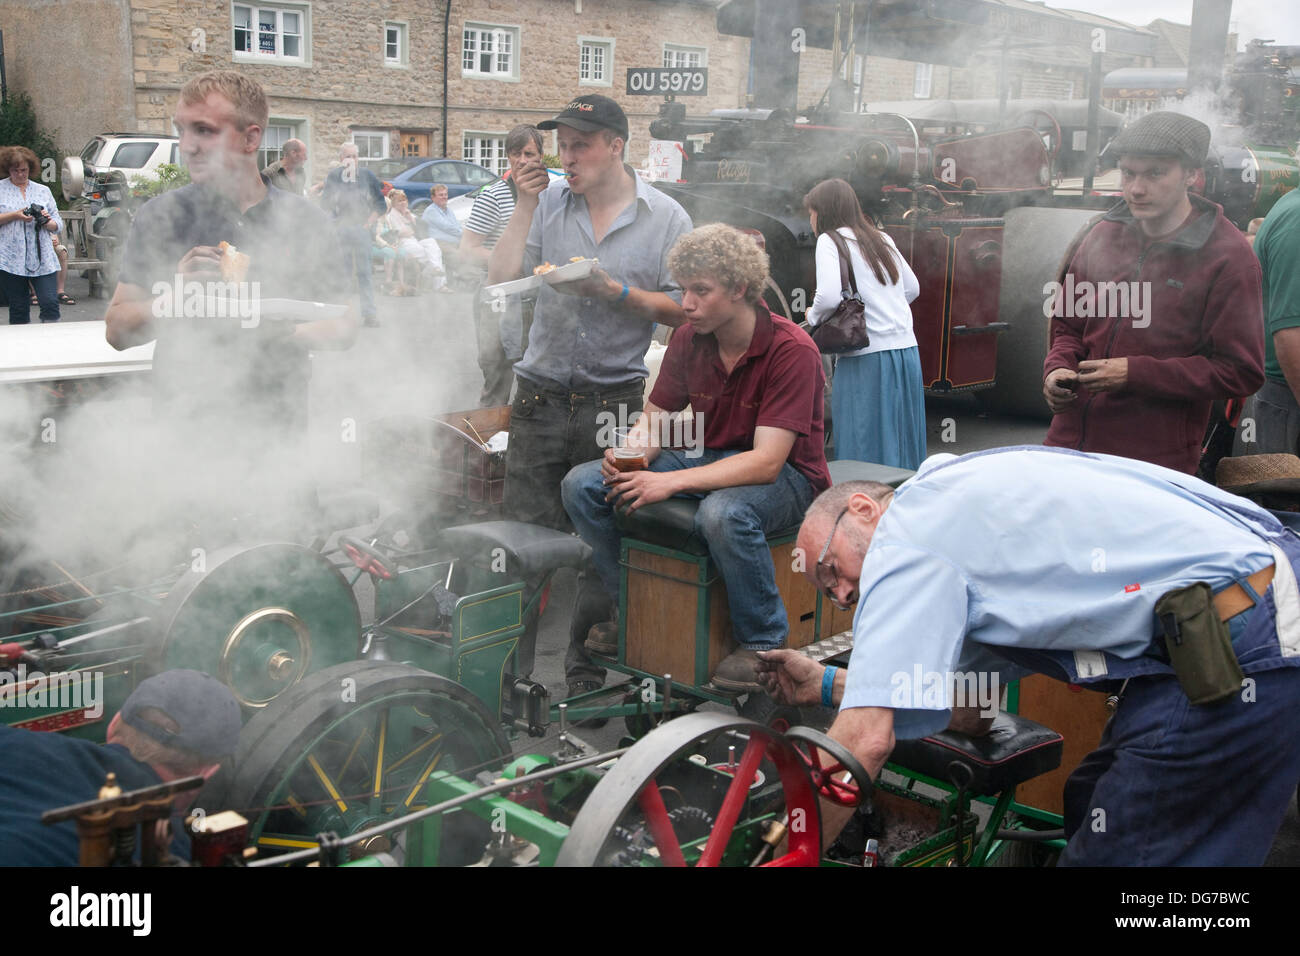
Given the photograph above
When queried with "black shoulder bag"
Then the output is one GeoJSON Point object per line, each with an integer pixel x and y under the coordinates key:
{"type": "Point", "coordinates": [846, 328]}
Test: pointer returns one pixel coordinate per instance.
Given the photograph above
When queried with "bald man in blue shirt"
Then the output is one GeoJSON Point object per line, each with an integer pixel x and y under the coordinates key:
{"type": "Point", "coordinates": [1022, 560]}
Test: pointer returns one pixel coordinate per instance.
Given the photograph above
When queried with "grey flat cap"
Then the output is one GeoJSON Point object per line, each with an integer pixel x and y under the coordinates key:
{"type": "Point", "coordinates": [1164, 134]}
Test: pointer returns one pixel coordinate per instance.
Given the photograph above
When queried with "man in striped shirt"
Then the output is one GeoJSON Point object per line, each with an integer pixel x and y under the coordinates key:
{"type": "Point", "coordinates": [500, 324]}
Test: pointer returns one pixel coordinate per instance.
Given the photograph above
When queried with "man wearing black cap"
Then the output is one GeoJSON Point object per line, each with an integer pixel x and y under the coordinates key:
{"type": "Point", "coordinates": [585, 361]}
{"type": "Point", "coordinates": [179, 723]}
{"type": "Point", "coordinates": [1159, 313]}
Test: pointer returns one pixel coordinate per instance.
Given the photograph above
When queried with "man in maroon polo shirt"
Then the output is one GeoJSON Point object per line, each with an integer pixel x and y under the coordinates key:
{"type": "Point", "coordinates": [754, 382]}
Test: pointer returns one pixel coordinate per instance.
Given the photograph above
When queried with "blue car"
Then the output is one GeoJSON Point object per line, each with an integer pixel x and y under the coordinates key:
{"type": "Point", "coordinates": [416, 177]}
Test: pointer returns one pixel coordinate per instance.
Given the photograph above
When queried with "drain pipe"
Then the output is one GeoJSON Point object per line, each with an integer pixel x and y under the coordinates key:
{"type": "Point", "coordinates": [446, 43]}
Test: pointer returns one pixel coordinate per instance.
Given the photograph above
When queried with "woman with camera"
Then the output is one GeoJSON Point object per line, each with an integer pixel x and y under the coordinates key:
{"type": "Point", "coordinates": [877, 399]}
{"type": "Point", "coordinates": [29, 222]}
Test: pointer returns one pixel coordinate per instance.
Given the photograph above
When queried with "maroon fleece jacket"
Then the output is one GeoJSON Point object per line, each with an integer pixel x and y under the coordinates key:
{"type": "Point", "coordinates": [1200, 336]}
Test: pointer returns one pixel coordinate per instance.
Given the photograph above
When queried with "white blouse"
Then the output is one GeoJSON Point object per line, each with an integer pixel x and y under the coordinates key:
{"type": "Point", "coordinates": [888, 314]}
{"type": "Point", "coordinates": [25, 251]}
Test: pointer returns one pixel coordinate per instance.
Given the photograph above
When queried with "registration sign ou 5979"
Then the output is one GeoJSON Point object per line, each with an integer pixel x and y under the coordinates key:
{"type": "Point", "coordinates": [673, 81]}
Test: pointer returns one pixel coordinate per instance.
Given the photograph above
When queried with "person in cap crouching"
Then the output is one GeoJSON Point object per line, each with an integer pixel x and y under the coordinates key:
{"type": "Point", "coordinates": [179, 723]}
{"type": "Point", "coordinates": [1158, 314]}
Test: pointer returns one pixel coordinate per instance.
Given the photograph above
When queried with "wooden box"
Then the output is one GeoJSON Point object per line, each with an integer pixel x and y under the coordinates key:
{"type": "Point", "coordinates": [675, 618]}
{"type": "Point", "coordinates": [414, 456]}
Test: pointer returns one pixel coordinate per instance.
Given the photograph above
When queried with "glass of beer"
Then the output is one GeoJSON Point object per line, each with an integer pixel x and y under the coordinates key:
{"type": "Point", "coordinates": [629, 451]}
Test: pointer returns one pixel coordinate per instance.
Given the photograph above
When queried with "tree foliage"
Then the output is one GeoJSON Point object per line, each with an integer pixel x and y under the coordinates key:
{"type": "Point", "coordinates": [19, 127]}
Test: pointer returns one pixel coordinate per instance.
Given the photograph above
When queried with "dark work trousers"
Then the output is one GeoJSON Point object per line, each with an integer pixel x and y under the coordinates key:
{"type": "Point", "coordinates": [552, 431]}
{"type": "Point", "coordinates": [1270, 422]}
{"type": "Point", "coordinates": [1173, 784]}
{"type": "Point", "coordinates": [501, 327]}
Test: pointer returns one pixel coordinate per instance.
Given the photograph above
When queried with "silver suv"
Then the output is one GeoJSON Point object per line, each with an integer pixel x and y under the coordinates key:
{"type": "Point", "coordinates": [133, 154]}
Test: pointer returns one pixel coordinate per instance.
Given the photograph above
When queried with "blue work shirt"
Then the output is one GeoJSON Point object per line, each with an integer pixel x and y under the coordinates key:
{"type": "Point", "coordinates": [442, 223]}
{"type": "Point", "coordinates": [584, 344]}
{"type": "Point", "coordinates": [1053, 550]}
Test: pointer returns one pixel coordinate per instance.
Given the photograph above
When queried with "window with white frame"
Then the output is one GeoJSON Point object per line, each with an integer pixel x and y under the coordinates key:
{"type": "Point", "coordinates": [277, 133]}
{"type": "Point", "coordinates": [595, 61]}
{"type": "Point", "coordinates": [395, 44]}
{"type": "Point", "coordinates": [371, 143]}
{"type": "Point", "coordinates": [681, 57]}
{"type": "Point", "coordinates": [490, 50]}
{"type": "Point", "coordinates": [487, 150]}
{"type": "Point", "coordinates": [921, 85]}
{"type": "Point", "coordinates": [279, 33]}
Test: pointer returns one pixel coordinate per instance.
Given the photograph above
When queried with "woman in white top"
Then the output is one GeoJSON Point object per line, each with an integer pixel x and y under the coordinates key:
{"type": "Point", "coordinates": [399, 222]}
{"type": "Point", "coordinates": [26, 252]}
{"type": "Point", "coordinates": [877, 400]}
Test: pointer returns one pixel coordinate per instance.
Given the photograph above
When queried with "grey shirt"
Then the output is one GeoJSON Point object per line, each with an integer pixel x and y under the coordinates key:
{"type": "Point", "coordinates": [582, 344]}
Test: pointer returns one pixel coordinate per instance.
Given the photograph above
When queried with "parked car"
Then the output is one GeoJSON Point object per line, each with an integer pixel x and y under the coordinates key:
{"type": "Point", "coordinates": [461, 206]}
{"type": "Point", "coordinates": [416, 177]}
{"type": "Point", "coordinates": [132, 154]}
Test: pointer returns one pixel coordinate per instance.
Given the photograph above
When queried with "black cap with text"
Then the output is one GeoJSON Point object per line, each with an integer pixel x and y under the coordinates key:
{"type": "Point", "coordinates": [589, 113]}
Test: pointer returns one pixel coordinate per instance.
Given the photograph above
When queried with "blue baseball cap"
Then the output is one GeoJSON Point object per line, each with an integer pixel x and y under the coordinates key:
{"type": "Point", "coordinates": [203, 708]}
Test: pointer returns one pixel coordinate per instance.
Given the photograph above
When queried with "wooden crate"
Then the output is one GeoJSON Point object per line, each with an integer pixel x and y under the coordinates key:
{"type": "Point", "coordinates": [413, 456]}
{"type": "Point", "coordinates": [1078, 715]}
{"type": "Point", "coordinates": [676, 619]}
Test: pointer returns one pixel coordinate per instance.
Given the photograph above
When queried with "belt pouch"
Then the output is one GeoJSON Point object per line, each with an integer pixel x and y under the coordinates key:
{"type": "Point", "coordinates": [1199, 645]}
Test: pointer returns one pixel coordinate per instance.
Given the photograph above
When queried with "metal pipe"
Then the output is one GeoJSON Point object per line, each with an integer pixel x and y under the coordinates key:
{"type": "Point", "coordinates": [526, 780]}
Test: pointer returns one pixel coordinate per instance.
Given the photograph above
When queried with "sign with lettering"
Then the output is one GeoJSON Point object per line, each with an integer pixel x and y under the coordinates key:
{"type": "Point", "coordinates": [677, 81]}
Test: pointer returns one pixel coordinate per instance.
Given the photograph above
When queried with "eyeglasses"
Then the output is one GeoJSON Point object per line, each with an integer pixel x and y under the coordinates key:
{"type": "Point", "coordinates": [827, 577]}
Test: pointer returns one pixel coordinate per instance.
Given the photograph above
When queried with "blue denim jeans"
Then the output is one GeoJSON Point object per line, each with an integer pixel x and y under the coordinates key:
{"type": "Point", "coordinates": [356, 244]}
{"type": "Point", "coordinates": [735, 523]}
{"type": "Point", "coordinates": [46, 288]}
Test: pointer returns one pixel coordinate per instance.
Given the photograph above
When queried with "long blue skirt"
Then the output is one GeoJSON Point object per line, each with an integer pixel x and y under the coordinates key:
{"type": "Point", "coordinates": [878, 408]}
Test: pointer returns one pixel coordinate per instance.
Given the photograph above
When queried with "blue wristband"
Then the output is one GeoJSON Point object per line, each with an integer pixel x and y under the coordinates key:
{"type": "Point", "coordinates": [622, 295]}
{"type": "Point", "coordinates": [828, 684]}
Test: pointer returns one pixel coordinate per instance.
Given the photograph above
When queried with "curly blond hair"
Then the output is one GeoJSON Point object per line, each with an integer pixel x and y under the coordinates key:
{"type": "Point", "coordinates": [724, 253]}
{"type": "Point", "coordinates": [245, 94]}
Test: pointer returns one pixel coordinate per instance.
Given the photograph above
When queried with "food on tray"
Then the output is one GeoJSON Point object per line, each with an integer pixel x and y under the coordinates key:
{"type": "Point", "coordinates": [577, 258]}
{"type": "Point", "coordinates": [544, 268]}
{"type": "Point", "coordinates": [234, 264]}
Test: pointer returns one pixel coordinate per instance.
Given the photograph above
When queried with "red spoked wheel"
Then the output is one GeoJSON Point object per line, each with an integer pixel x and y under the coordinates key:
{"type": "Point", "coordinates": [668, 803]}
{"type": "Point", "coordinates": [811, 745]}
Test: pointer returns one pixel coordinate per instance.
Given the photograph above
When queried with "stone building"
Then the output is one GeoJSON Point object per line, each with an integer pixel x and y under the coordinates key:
{"type": "Point", "coordinates": [398, 77]}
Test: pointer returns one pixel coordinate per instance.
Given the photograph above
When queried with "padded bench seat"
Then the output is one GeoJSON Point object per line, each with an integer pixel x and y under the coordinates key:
{"type": "Point", "coordinates": [529, 549]}
{"type": "Point", "coordinates": [1016, 749]}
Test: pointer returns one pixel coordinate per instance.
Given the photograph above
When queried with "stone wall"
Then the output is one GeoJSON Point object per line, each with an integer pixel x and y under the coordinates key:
{"type": "Point", "coordinates": [72, 57]}
{"type": "Point", "coordinates": [343, 83]}
{"type": "Point", "coordinates": [548, 61]}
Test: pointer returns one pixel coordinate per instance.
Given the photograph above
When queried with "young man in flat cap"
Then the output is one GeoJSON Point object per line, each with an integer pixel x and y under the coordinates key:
{"type": "Point", "coordinates": [586, 350]}
{"type": "Point", "coordinates": [1159, 313]}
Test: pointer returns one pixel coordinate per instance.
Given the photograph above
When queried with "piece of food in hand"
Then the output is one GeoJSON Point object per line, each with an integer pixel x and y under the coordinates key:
{"type": "Point", "coordinates": [234, 264]}
{"type": "Point", "coordinates": [544, 268]}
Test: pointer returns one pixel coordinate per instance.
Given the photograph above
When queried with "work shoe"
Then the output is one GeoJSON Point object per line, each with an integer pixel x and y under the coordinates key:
{"type": "Point", "coordinates": [586, 687]}
{"type": "Point", "coordinates": [738, 672]}
{"type": "Point", "coordinates": [603, 639]}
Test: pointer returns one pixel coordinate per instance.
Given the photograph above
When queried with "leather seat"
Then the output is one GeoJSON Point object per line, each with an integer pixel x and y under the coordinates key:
{"type": "Point", "coordinates": [529, 549]}
{"type": "Point", "coordinates": [1016, 749]}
